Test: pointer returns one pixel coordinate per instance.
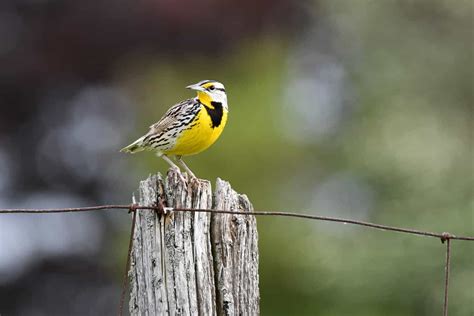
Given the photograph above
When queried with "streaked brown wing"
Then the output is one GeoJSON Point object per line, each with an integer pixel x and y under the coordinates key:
{"type": "Point", "coordinates": [170, 117]}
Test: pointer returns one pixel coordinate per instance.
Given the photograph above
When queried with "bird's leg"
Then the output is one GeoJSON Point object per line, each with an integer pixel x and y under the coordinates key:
{"type": "Point", "coordinates": [169, 161]}
{"type": "Point", "coordinates": [172, 164]}
{"type": "Point", "coordinates": [180, 160]}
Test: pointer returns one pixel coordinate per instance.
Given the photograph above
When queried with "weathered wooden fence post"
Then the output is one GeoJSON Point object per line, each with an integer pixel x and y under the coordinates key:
{"type": "Point", "coordinates": [192, 263]}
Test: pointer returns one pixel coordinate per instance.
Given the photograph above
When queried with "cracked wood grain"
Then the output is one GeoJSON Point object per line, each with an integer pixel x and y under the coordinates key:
{"type": "Point", "coordinates": [193, 263]}
{"type": "Point", "coordinates": [235, 249]}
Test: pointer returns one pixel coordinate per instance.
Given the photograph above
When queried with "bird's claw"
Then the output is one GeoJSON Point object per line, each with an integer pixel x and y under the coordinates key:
{"type": "Point", "coordinates": [193, 178]}
{"type": "Point", "coordinates": [178, 172]}
{"type": "Point", "coordinates": [181, 176]}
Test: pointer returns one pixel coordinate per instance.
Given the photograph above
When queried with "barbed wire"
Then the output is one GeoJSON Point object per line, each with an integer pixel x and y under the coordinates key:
{"type": "Point", "coordinates": [445, 237]}
{"type": "Point", "coordinates": [442, 236]}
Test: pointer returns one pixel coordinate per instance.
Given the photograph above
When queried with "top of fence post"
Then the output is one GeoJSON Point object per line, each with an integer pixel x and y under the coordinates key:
{"type": "Point", "coordinates": [191, 263]}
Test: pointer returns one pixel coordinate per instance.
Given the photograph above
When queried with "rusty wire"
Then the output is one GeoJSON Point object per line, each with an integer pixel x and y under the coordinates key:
{"type": "Point", "coordinates": [441, 236]}
{"type": "Point", "coordinates": [446, 276]}
{"type": "Point", "coordinates": [444, 237]}
{"type": "Point", "coordinates": [132, 209]}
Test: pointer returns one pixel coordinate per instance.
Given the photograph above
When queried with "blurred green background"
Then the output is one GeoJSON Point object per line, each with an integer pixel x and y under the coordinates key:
{"type": "Point", "coordinates": [354, 109]}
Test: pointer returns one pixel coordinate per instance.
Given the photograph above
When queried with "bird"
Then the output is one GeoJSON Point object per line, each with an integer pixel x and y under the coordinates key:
{"type": "Point", "coordinates": [188, 127]}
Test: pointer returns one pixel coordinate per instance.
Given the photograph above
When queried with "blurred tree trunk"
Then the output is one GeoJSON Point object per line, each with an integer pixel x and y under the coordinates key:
{"type": "Point", "coordinates": [193, 263]}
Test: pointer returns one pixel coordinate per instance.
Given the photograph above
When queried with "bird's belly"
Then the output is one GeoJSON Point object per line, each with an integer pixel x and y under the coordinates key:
{"type": "Point", "coordinates": [197, 137]}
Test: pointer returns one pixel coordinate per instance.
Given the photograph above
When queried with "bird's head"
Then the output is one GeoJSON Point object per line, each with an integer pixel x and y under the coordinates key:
{"type": "Point", "coordinates": [210, 91]}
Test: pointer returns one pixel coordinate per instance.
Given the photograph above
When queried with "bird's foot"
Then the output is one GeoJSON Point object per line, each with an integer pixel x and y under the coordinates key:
{"type": "Point", "coordinates": [194, 181]}
{"type": "Point", "coordinates": [178, 172]}
{"type": "Point", "coordinates": [191, 176]}
{"type": "Point", "coordinates": [181, 176]}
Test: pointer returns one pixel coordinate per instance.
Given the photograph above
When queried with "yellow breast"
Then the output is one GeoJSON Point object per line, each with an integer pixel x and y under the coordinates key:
{"type": "Point", "coordinates": [201, 133]}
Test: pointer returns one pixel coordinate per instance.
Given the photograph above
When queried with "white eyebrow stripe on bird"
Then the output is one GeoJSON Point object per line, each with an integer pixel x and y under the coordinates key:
{"type": "Point", "coordinates": [205, 81]}
{"type": "Point", "coordinates": [215, 84]}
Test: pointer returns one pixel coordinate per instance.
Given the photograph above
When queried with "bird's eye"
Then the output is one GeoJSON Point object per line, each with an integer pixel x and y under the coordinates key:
{"type": "Point", "coordinates": [212, 88]}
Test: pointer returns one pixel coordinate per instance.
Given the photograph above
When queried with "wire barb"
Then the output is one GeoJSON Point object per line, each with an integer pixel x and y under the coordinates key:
{"type": "Point", "coordinates": [446, 236]}
{"type": "Point", "coordinates": [133, 208]}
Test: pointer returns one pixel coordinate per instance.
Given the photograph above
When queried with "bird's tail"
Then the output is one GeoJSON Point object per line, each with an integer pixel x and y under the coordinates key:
{"type": "Point", "coordinates": [134, 147]}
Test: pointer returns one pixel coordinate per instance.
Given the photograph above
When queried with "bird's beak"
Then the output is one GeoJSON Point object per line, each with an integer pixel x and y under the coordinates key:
{"type": "Point", "coordinates": [195, 87]}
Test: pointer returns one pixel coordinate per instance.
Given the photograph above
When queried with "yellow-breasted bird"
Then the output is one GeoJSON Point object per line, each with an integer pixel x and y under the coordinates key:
{"type": "Point", "coordinates": [188, 127]}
